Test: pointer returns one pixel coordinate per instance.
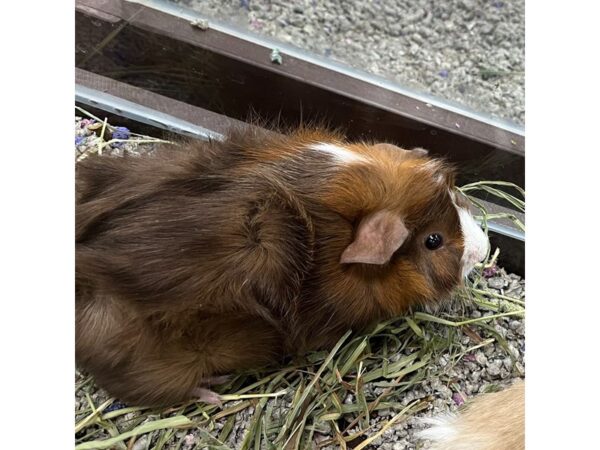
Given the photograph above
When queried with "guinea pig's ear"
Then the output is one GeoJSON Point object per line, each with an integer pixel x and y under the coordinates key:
{"type": "Point", "coordinates": [420, 152]}
{"type": "Point", "coordinates": [415, 152]}
{"type": "Point", "coordinates": [377, 237]}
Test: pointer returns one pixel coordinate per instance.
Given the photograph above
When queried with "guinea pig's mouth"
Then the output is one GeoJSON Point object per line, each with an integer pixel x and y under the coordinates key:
{"type": "Point", "coordinates": [466, 271]}
{"type": "Point", "coordinates": [471, 260]}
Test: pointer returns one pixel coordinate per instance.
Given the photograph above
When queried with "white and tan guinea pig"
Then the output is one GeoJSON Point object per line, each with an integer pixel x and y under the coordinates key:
{"type": "Point", "coordinates": [210, 257]}
{"type": "Point", "coordinates": [494, 421]}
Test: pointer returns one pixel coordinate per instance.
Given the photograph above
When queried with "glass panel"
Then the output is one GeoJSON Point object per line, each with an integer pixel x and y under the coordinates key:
{"type": "Point", "coordinates": [467, 52]}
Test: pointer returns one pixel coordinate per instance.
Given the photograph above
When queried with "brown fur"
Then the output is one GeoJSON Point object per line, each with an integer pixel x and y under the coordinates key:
{"type": "Point", "coordinates": [490, 422]}
{"type": "Point", "coordinates": [212, 257]}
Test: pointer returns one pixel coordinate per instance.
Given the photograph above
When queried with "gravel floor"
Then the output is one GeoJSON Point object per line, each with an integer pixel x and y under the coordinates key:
{"type": "Point", "coordinates": [498, 360]}
{"type": "Point", "coordinates": [470, 52]}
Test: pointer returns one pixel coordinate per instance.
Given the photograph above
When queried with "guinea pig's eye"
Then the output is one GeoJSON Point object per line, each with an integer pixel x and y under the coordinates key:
{"type": "Point", "coordinates": [433, 241]}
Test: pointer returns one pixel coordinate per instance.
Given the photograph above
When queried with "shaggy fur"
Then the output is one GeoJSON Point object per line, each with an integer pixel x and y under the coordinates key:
{"type": "Point", "coordinates": [208, 258]}
{"type": "Point", "coordinates": [490, 422]}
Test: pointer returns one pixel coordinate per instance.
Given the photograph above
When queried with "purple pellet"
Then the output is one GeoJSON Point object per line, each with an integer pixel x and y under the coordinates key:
{"type": "Point", "coordinates": [470, 358]}
{"type": "Point", "coordinates": [489, 272]}
{"type": "Point", "coordinates": [121, 133]}
{"type": "Point", "coordinates": [458, 398]}
{"type": "Point", "coordinates": [115, 406]}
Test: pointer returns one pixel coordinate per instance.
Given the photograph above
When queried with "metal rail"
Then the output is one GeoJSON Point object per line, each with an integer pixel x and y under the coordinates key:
{"type": "Point", "coordinates": [142, 114]}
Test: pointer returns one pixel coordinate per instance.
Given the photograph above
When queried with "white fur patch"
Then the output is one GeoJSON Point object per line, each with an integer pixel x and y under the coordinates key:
{"type": "Point", "coordinates": [442, 428]}
{"type": "Point", "coordinates": [341, 154]}
{"type": "Point", "coordinates": [475, 241]}
{"type": "Point", "coordinates": [432, 166]}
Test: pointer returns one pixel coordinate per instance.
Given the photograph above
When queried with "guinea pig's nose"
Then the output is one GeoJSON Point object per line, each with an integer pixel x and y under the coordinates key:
{"type": "Point", "coordinates": [476, 243]}
{"type": "Point", "coordinates": [486, 248]}
{"type": "Point", "coordinates": [483, 247]}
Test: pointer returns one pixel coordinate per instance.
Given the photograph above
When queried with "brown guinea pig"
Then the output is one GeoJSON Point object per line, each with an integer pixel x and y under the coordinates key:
{"type": "Point", "coordinates": [208, 258]}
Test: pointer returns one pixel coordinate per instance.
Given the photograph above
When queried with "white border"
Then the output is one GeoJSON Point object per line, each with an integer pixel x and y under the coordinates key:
{"type": "Point", "coordinates": [37, 225]}
{"type": "Point", "coordinates": [562, 247]}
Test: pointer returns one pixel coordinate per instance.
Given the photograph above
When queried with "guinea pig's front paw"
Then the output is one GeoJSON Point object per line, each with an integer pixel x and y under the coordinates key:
{"type": "Point", "coordinates": [207, 396]}
{"type": "Point", "coordinates": [204, 394]}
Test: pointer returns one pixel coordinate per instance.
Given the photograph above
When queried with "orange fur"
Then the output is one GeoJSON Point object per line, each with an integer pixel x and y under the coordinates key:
{"type": "Point", "coordinates": [494, 421]}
